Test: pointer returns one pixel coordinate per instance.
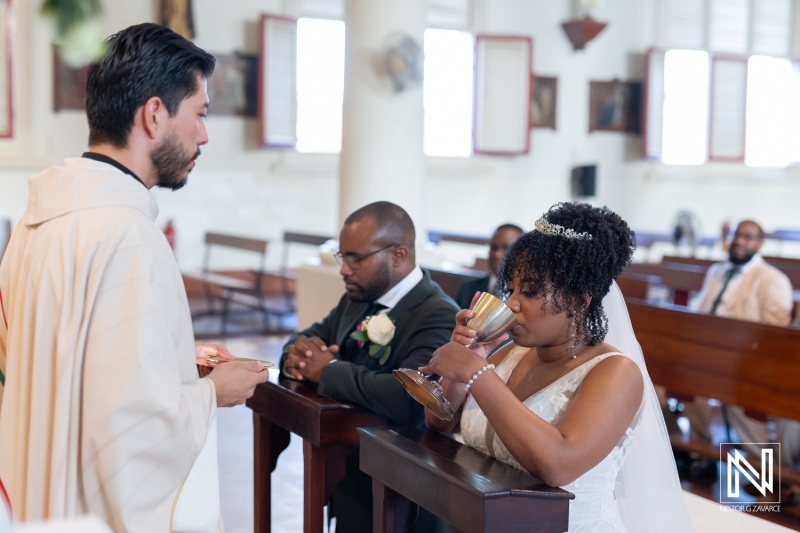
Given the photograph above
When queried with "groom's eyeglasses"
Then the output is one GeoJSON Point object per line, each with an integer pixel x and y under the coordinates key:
{"type": "Point", "coordinates": [354, 261]}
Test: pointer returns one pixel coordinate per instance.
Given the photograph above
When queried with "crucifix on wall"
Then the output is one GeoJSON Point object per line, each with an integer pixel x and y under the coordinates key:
{"type": "Point", "coordinates": [177, 16]}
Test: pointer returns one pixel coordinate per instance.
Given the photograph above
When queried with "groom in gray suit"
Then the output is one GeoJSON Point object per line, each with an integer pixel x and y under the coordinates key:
{"type": "Point", "coordinates": [350, 354]}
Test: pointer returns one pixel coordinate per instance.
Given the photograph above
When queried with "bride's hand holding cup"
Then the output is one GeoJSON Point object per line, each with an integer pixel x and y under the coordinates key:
{"type": "Point", "coordinates": [483, 327]}
{"type": "Point", "coordinates": [481, 330]}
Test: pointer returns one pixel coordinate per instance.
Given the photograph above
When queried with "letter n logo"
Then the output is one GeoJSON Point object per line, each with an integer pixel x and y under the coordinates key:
{"type": "Point", "coordinates": [758, 470]}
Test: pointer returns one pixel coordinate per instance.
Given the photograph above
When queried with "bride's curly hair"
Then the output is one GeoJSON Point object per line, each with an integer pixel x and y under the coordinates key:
{"type": "Point", "coordinates": [572, 271]}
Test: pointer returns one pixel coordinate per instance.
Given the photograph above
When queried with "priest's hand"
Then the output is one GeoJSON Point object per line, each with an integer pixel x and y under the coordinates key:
{"type": "Point", "coordinates": [307, 357]}
{"type": "Point", "coordinates": [236, 382]}
{"type": "Point", "coordinates": [203, 351]}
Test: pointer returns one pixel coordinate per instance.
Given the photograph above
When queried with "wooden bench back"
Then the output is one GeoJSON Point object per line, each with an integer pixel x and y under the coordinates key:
{"type": "Point", "coordinates": [236, 242]}
{"type": "Point", "coordinates": [233, 241]}
{"type": "Point", "coordinates": [749, 364]}
{"type": "Point", "coordinates": [787, 265]}
{"type": "Point", "coordinates": [472, 491]}
{"type": "Point", "coordinates": [305, 238]}
{"type": "Point", "coordinates": [295, 237]}
{"type": "Point", "coordinates": [439, 236]}
{"type": "Point", "coordinates": [688, 260]}
{"type": "Point", "coordinates": [636, 285]}
{"type": "Point", "coordinates": [680, 277]}
{"type": "Point", "coordinates": [451, 280]}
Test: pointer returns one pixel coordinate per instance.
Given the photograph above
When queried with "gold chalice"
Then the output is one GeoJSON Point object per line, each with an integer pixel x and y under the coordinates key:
{"type": "Point", "coordinates": [492, 319]}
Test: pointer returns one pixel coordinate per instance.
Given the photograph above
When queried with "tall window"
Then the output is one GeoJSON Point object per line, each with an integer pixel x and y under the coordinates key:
{"type": "Point", "coordinates": [773, 112]}
{"type": "Point", "coordinates": [743, 110]}
{"type": "Point", "coordinates": [447, 89]}
{"type": "Point", "coordinates": [447, 93]}
{"type": "Point", "coordinates": [320, 85]}
{"type": "Point", "coordinates": [685, 134]}
{"type": "Point", "coordinates": [723, 91]}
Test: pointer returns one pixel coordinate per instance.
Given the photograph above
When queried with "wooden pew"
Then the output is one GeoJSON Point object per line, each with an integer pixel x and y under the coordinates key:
{"type": "Point", "coordinates": [469, 489]}
{"type": "Point", "coordinates": [748, 364]}
{"type": "Point", "coordinates": [450, 280]}
{"type": "Point", "coordinates": [328, 429]}
{"type": "Point", "coordinates": [464, 238]}
{"type": "Point", "coordinates": [688, 260]}
{"type": "Point", "coordinates": [481, 263]}
{"type": "Point", "coordinates": [287, 276]}
{"type": "Point", "coordinates": [738, 362]}
{"type": "Point", "coordinates": [243, 288]}
{"type": "Point", "coordinates": [788, 265]}
{"type": "Point", "coordinates": [646, 240]}
{"type": "Point", "coordinates": [782, 235]}
{"type": "Point", "coordinates": [636, 285]}
{"type": "Point", "coordinates": [681, 278]}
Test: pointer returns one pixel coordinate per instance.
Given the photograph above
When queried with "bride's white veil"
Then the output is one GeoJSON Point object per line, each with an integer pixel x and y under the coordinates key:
{"type": "Point", "coordinates": [648, 491]}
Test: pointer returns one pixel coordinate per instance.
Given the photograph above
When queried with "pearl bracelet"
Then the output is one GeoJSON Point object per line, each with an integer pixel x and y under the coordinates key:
{"type": "Point", "coordinates": [481, 371]}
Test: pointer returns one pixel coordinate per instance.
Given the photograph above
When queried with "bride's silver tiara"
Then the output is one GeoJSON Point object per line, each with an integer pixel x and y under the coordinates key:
{"type": "Point", "coordinates": [546, 228]}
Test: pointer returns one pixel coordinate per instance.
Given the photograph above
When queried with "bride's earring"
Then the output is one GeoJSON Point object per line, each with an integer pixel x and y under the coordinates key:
{"type": "Point", "coordinates": [574, 342]}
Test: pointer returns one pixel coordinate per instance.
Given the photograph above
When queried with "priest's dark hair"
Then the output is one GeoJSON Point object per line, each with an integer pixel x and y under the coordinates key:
{"type": "Point", "coordinates": [141, 62]}
{"type": "Point", "coordinates": [573, 270]}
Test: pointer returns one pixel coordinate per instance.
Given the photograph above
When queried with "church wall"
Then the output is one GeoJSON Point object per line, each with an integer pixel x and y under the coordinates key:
{"type": "Point", "coordinates": [239, 187]}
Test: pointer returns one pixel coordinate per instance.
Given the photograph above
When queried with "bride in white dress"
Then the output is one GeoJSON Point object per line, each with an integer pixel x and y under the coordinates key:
{"type": "Point", "coordinates": [558, 401]}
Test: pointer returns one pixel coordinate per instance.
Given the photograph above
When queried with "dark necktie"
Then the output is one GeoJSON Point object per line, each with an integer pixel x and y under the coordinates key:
{"type": "Point", "coordinates": [731, 273]}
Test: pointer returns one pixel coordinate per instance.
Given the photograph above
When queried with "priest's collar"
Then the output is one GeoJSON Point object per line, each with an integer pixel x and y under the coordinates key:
{"type": "Point", "coordinates": [113, 162]}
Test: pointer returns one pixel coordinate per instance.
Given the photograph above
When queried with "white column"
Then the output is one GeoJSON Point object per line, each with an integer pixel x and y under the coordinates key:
{"type": "Point", "coordinates": [382, 156]}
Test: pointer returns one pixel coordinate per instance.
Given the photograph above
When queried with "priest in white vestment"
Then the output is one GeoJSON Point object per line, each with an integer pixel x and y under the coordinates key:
{"type": "Point", "coordinates": [102, 409]}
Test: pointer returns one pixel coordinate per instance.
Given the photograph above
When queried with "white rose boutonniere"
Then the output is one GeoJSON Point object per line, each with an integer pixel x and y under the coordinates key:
{"type": "Point", "coordinates": [378, 330]}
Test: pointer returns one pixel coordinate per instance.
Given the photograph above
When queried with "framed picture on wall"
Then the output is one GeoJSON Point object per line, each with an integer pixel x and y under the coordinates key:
{"type": "Point", "coordinates": [6, 100]}
{"type": "Point", "coordinates": [69, 85]}
{"type": "Point", "coordinates": [233, 88]}
{"type": "Point", "coordinates": [615, 106]}
{"type": "Point", "coordinates": [543, 101]}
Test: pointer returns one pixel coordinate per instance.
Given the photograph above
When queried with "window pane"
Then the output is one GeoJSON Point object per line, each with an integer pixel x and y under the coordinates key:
{"type": "Point", "coordinates": [320, 84]}
{"type": "Point", "coordinates": [447, 93]}
{"type": "Point", "coordinates": [728, 31]}
{"type": "Point", "coordinates": [685, 107]}
{"type": "Point", "coordinates": [728, 106]}
{"type": "Point", "coordinates": [772, 27]}
{"type": "Point", "coordinates": [773, 113]}
{"type": "Point", "coordinates": [685, 23]}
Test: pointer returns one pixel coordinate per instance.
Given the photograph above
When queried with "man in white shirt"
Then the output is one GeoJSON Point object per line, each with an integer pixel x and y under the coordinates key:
{"type": "Point", "coordinates": [747, 288]}
{"type": "Point", "coordinates": [103, 411]}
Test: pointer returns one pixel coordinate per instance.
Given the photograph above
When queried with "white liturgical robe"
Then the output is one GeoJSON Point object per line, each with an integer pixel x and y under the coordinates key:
{"type": "Point", "coordinates": [102, 411]}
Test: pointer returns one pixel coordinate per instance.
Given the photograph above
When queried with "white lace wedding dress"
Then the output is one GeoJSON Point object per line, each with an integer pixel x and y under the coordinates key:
{"type": "Point", "coordinates": [593, 509]}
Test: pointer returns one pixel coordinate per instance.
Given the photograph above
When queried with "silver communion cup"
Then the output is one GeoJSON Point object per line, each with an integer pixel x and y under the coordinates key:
{"type": "Point", "coordinates": [492, 319]}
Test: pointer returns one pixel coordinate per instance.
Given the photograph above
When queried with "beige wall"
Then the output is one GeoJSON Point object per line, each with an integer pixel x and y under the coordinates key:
{"type": "Point", "coordinates": [239, 187]}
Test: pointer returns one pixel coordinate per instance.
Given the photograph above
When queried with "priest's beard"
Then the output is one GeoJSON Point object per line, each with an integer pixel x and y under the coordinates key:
{"type": "Point", "coordinates": [171, 164]}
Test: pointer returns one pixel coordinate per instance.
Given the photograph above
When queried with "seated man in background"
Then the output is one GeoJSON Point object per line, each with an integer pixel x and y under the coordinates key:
{"type": "Point", "coordinates": [746, 287]}
{"type": "Point", "coordinates": [399, 318]}
{"type": "Point", "coordinates": [503, 237]}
